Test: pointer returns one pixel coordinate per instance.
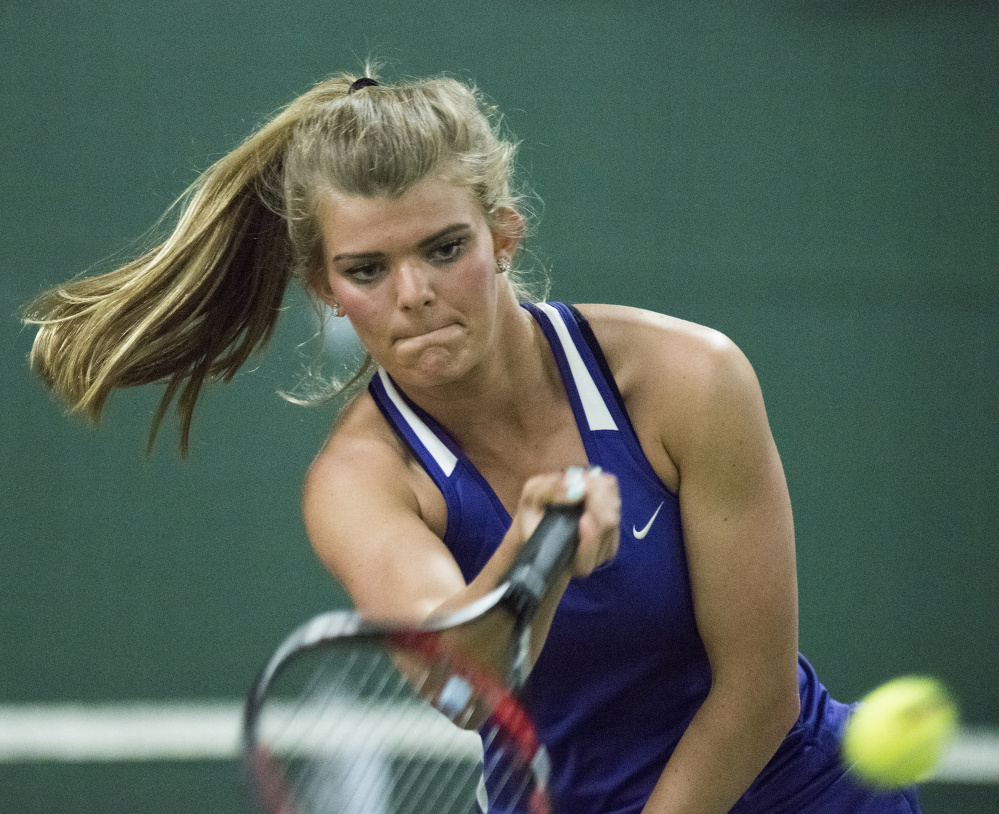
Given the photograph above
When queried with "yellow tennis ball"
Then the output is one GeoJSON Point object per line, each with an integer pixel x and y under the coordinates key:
{"type": "Point", "coordinates": [899, 732]}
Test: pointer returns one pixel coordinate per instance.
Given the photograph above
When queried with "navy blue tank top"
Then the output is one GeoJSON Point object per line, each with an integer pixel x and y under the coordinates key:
{"type": "Point", "coordinates": [624, 669]}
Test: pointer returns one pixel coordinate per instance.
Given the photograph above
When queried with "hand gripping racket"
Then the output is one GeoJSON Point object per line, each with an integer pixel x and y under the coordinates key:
{"type": "Point", "coordinates": [351, 716]}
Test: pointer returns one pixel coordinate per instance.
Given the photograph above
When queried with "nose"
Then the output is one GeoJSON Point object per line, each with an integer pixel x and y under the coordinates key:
{"type": "Point", "coordinates": [413, 285]}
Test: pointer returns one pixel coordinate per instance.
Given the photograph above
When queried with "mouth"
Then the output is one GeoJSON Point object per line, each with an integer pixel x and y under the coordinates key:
{"type": "Point", "coordinates": [426, 333]}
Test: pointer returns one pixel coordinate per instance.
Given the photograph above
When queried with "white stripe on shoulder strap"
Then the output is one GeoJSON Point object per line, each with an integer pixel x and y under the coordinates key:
{"type": "Point", "coordinates": [597, 414]}
{"type": "Point", "coordinates": [445, 459]}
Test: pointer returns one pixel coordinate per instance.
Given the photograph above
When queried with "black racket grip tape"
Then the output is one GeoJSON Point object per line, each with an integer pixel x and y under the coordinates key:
{"type": "Point", "coordinates": [545, 555]}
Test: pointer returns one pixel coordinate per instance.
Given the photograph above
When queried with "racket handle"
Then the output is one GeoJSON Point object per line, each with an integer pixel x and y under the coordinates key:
{"type": "Point", "coordinates": [544, 557]}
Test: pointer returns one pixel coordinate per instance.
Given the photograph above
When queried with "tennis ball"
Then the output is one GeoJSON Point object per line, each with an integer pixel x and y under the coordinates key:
{"type": "Point", "coordinates": [899, 732]}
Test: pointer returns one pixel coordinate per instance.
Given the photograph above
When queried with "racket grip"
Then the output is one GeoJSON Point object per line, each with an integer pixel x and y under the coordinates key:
{"type": "Point", "coordinates": [545, 555]}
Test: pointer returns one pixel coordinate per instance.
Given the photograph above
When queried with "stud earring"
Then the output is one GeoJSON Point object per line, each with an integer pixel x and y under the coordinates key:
{"type": "Point", "coordinates": [503, 263]}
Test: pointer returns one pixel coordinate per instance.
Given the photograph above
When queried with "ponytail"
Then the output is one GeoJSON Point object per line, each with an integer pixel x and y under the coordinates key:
{"type": "Point", "coordinates": [191, 310]}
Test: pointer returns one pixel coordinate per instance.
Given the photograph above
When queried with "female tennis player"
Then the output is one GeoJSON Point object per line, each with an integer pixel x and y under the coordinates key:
{"type": "Point", "coordinates": [670, 679]}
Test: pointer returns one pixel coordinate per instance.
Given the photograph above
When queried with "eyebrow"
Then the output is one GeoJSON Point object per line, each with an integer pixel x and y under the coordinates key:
{"type": "Point", "coordinates": [447, 231]}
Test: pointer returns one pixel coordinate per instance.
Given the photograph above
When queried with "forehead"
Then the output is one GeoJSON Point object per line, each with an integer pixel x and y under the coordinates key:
{"type": "Point", "coordinates": [356, 223]}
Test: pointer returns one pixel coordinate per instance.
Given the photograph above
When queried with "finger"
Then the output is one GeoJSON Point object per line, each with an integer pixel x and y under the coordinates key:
{"type": "Point", "coordinates": [600, 522]}
{"type": "Point", "coordinates": [569, 487]}
{"type": "Point", "coordinates": [539, 491]}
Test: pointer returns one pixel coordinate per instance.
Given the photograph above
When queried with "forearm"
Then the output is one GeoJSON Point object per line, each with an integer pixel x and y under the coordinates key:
{"type": "Point", "coordinates": [598, 539]}
{"type": "Point", "coordinates": [501, 626]}
{"type": "Point", "coordinates": [589, 553]}
{"type": "Point", "coordinates": [725, 747]}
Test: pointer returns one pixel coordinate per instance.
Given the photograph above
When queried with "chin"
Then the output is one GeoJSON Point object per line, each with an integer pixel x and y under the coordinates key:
{"type": "Point", "coordinates": [433, 370]}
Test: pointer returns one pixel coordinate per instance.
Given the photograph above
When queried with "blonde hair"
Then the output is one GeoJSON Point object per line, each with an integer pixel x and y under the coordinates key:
{"type": "Point", "coordinates": [194, 308]}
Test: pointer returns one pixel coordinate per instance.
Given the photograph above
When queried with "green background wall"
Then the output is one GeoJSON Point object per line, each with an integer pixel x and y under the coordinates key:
{"type": "Point", "coordinates": [815, 178]}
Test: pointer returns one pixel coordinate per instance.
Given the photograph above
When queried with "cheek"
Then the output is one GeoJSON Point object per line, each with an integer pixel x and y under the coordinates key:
{"type": "Point", "coordinates": [351, 298]}
{"type": "Point", "coordinates": [478, 280]}
{"type": "Point", "coordinates": [360, 310]}
{"type": "Point", "coordinates": [363, 314]}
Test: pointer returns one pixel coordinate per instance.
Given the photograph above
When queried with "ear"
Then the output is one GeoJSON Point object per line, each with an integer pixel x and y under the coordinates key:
{"type": "Point", "coordinates": [322, 290]}
{"type": "Point", "coordinates": [318, 283]}
{"type": "Point", "coordinates": [507, 226]}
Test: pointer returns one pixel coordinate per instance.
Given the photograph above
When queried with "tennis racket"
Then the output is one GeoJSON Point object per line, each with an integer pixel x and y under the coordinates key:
{"type": "Point", "coordinates": [350, 716]}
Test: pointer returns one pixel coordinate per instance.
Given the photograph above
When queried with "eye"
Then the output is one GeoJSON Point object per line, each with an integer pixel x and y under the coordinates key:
{"type": "Point", "coordinates": [365, 273]}
{"type": "Point", "coordinates": [449, 251]}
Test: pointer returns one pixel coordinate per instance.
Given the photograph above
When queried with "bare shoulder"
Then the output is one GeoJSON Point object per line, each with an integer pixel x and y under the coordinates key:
{"type": "Point", "coordinates": [677, 378]}
{"type": "Point", "coordinates": [648, 350]}
{"type": "Point", "coordinates": [627, 334]}
{"type": "Point", "coordinates": [360, 451]}
{"type": "Point", "coordinates": [375, 519]}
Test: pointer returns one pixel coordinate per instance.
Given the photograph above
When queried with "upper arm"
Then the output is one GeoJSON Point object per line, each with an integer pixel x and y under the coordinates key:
{"type": "Point", "coordinates": [365, 521]}
{"type": "Point", "coordinates": [737, 520]}
{"type": "Point", "coordinates": [698, 410]}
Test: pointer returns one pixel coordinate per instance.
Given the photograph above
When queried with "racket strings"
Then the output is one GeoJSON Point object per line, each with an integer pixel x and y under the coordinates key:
{"type": "Point", "coordinates": [452, 785]}
{"type": "Point", "coordinates": [506, 773]}
{"type": "Point", "coordinates": [509, 781]}
{"type": "Point", "coordinates": [321, 780]}
{"type": "Point", "coordinates": [439, 790]}
{"type": "Point", "coordinates": [360, 731]}
{"type": "Point", "coordinates": [364, 787]}
{"type": "Point", "coordinates": [361, 740]}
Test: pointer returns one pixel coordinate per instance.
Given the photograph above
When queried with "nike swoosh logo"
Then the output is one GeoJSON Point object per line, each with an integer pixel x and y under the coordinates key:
{"type": "Point", "coordinates": [640, 535]}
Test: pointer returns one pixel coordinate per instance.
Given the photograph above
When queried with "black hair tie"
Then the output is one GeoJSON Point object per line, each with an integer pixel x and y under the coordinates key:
{"type": "Point", "coordinates": [363, 82]}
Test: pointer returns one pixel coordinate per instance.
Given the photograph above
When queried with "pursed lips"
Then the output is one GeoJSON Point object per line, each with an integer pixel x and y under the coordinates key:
{"type": "Point", "coordinates": [421, 332]}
